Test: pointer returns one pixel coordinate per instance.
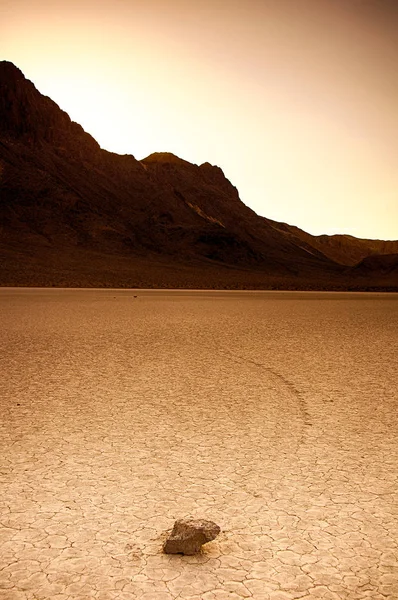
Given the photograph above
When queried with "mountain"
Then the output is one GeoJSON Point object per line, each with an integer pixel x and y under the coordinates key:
{"type": "Point", "coordinates": [385, 264]}
{"type": "Point", "coordinates": [73, 214]}
{"type": "Point", "coordinates": [343, 249]}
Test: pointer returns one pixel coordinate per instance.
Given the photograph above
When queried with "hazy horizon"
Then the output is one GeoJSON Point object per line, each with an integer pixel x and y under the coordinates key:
{"type": "Point", "coordinates": [295, 101]}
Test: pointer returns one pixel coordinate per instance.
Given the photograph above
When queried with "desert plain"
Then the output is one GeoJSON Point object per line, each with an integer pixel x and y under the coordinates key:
{"type": "Point", "coordinates": [273, 414]}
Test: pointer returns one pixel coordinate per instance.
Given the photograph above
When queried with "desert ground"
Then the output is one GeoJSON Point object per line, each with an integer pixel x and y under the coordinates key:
{"type": "Point", "coordinates": [273, 414]}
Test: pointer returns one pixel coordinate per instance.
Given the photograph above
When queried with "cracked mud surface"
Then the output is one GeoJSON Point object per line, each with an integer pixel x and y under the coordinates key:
{"type": "Point", "coordinates": [273, 414]}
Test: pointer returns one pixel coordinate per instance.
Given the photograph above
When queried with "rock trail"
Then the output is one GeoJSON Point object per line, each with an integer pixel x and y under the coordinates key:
{"type": "Point", "coordinates": [118, 420]}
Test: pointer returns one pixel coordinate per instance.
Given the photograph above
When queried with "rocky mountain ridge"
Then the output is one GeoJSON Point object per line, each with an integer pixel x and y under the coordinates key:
{"type": "Point", "coordinates": [343, 249]}
{"type": "Point", "coordinates": [74, 214]}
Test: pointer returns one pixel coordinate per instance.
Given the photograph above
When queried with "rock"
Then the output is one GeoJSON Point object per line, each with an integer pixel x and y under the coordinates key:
{"type": "Point", "coordinates": [188, 536]}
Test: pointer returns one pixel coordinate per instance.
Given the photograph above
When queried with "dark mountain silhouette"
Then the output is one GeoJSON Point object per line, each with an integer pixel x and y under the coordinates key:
{"type": "Point", "coordinates": [386, 264]}
{"type": "Point", "coordinates": [73, 214]}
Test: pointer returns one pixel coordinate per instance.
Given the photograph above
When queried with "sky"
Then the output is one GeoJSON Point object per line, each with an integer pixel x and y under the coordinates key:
{"type": "Point", "coordinates": [296, 100]}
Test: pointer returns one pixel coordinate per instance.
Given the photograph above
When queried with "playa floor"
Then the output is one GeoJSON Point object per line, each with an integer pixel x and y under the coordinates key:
{"type": "Point", "coordinates": [272, 414]}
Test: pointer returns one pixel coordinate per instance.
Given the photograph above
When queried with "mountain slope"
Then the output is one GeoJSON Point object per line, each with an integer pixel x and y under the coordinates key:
{"type": "Point", "coordinates": [343, 249]}
{"type": "Point", "coordinates": [382, 264]}
{"type": "Point", "coordinates": [74, 214]}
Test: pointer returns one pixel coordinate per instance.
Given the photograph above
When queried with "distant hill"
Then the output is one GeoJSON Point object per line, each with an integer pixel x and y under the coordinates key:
{"type": "Point", "coordinates": [73, 214]}
{"type": "Point", "coordinates": [344, 249]}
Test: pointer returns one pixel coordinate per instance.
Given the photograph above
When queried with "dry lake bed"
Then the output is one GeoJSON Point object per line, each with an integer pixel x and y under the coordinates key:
{"type": "Point", "coordinates": [273, 414]}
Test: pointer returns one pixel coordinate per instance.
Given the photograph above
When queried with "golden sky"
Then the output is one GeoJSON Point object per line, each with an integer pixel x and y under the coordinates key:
{"type": "Point", "coordinates": [296, 100]}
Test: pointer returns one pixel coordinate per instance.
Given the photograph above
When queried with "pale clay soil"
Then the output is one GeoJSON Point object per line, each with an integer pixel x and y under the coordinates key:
{"type": "Point", "coordinates": [274, 415]}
